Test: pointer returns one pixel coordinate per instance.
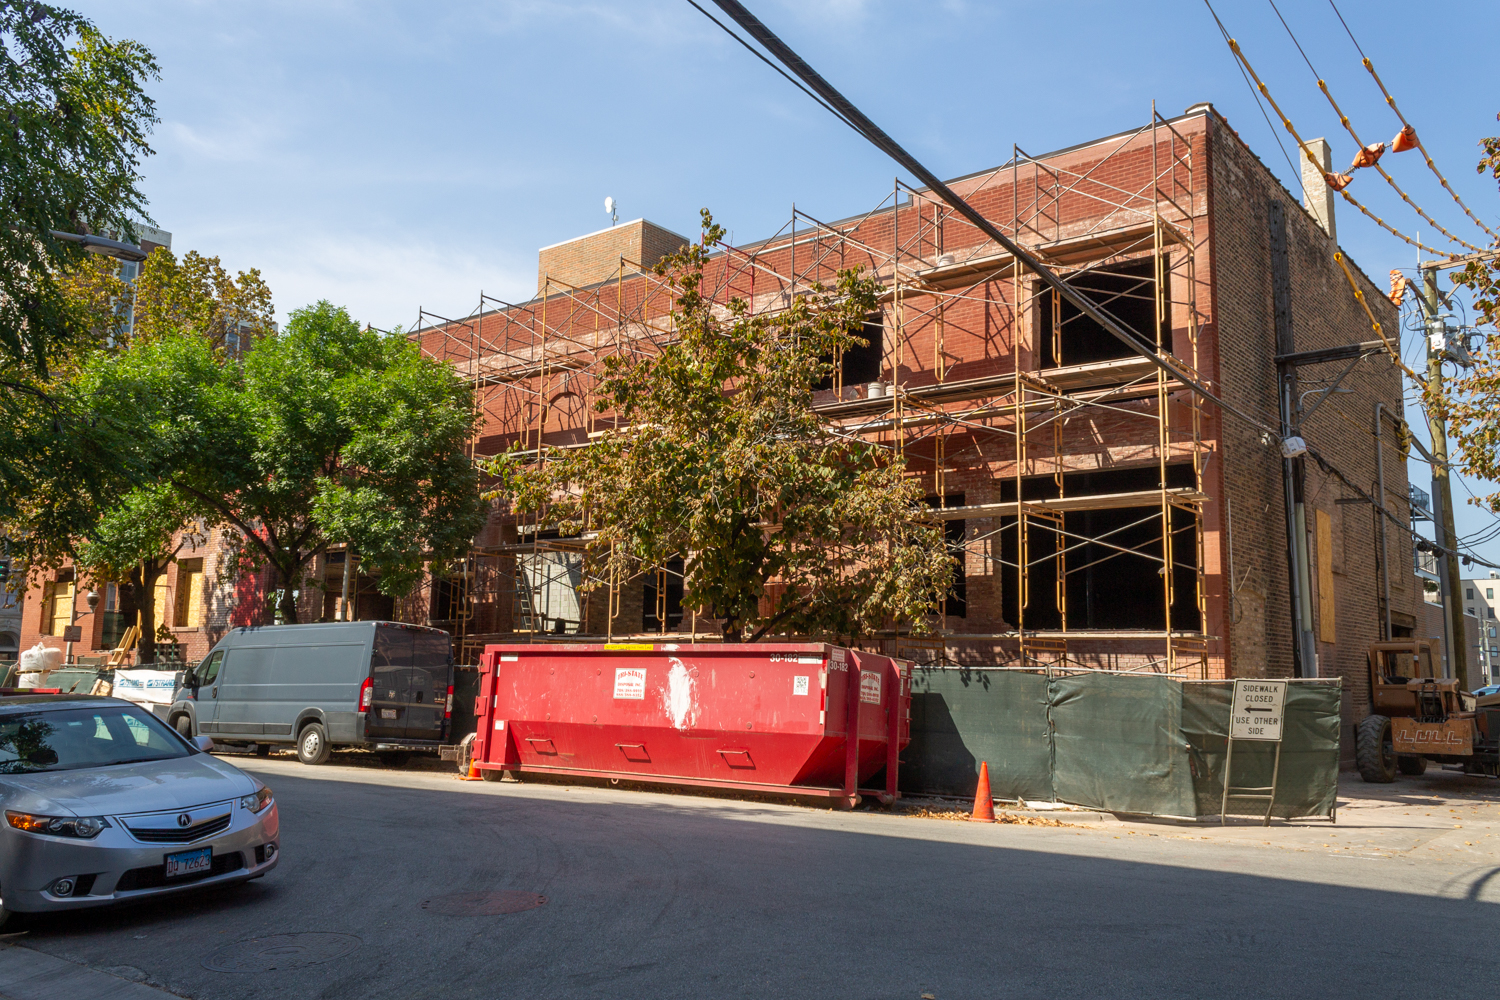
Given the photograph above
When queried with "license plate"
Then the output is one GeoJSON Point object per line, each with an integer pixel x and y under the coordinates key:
{"type": "Point", "coordinates": [190, 862]}
{"type": "Point", "coordinates": [387, 713]}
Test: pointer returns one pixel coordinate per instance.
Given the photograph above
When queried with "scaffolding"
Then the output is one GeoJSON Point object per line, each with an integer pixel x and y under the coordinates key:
{"type": "Point", "coordinates": [987, 382]}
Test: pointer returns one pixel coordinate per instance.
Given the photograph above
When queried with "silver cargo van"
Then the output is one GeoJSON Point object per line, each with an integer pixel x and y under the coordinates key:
{"type": "Point", "coordinates": [384, 686]}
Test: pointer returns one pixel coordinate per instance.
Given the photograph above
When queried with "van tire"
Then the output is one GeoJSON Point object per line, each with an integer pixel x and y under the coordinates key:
{"type": "Point", "coordinates": [312, 744]}
{"type": "Point", "coordinates": [184, 726]}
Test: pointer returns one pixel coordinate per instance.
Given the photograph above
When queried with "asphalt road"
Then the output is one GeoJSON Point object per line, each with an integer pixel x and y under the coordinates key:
{"type": "Point", "coordinates": [664, 896]}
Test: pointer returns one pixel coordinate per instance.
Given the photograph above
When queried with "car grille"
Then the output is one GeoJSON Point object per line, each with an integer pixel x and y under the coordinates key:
{"type": "Point", "coordinates": [155, 876]}
{"type": "Point", "coordinates": [182, 835]}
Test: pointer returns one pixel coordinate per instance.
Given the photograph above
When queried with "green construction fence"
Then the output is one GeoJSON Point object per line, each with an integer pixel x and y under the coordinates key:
{"type": "Point", "coordinates": [1133, 743]}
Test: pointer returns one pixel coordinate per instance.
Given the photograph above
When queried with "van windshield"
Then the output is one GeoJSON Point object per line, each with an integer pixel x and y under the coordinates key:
{"type": "Point", "coordinates": [68, 739]}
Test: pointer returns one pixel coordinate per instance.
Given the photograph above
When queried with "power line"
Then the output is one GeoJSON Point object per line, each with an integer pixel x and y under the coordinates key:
{"type": "Point", "coordinates": [1405, 124]}
{"type": "Point", "coordinates": [845, 110]}
{"type": "Point", "coordinates": [1344, 121]}
{"type": "Point", "coordinates": [1287, 122]}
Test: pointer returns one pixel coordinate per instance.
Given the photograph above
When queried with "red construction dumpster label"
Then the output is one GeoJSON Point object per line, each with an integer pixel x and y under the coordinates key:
{"type": "Point", "coordinates": [799, 685]}
{"type": "Point", "coordinates": [630, 683]}
{"type": "Point", "coordinates": [869, 687]}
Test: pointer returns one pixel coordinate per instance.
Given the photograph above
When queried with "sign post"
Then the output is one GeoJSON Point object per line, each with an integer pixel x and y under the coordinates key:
{"type": "Point", "coordinates": [1257, 710]}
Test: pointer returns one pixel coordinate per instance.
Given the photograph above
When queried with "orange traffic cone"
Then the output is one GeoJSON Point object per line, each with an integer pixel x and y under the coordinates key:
{"type": "Point", "coordinates": [984, 806]}
{"type": "Point", "coordinates": [473, 774]}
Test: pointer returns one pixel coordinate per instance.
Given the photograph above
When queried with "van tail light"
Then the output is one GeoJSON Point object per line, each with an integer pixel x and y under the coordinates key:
{"type": "Point", "coordinates": [448, 711]}
{"type": "Point", "coordinates": [366, 694]}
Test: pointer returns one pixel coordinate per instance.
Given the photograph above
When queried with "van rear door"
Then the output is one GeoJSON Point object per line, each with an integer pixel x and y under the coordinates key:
{"type": "Point", "coordinates": [410, 670]}
{"type": "Point", "coordinates": [431, 673]}
{"type": "Point", "coordinates": [390, 676]}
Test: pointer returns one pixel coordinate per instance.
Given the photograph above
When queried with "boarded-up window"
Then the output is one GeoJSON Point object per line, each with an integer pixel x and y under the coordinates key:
{"type": "Point", "coordinates": [161, 602]}
{"type": "Point", "coordinates": [188, 611]}
{"type": "Point", "coordinates": [60, 608]}
{"type": "Point", "coordinates": [57, 612]}
{"type": "Point", "coordinates": [1327, 626]}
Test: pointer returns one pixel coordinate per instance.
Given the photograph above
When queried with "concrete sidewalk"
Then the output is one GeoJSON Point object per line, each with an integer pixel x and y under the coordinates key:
{"type": "Point", "coordinates": [31, 975]}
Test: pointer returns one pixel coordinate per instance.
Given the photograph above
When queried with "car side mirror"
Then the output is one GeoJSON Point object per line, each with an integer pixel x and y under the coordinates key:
{"type": "Point", "coordinates": [203, 743]}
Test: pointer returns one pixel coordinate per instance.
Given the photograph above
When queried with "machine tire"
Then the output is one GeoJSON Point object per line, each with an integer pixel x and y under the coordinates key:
{"type": "Point", "coordinates": [1411, 765]}
{"type": "Point", "coordinates": [1373, 754]}
{"type": "Point", "coordinates": [184, 726]}
{"type": "Point", "coordinates": [312, 744]}
{"type": "Point", "coordinates": [492, 774]}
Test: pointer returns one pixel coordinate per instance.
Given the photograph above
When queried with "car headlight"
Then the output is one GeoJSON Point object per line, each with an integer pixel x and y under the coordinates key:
{"type": "Point", "coordinates": [84, 827]}
{"type": "Point", "coordinates": [257, 800]}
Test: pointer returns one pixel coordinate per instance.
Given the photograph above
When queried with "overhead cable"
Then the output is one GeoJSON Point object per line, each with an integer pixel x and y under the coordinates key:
{"type": "Point", "coordinates": [768, 40]}
{"type": "Point", "coordinates": [1405, 124]}
{"type": "Point", "coordinates": [1372, 153]}
{"type": "Point", "coordinates": [1287, 122]}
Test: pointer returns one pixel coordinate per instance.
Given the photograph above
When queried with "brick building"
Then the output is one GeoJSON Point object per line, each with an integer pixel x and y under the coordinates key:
{"type": "Point", "coordinates": [1042, 441]}
{"type": "Point", "coordinates": [1099, 511]}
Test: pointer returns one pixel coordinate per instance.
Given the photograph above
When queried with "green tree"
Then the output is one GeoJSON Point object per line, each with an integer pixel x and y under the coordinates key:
{"type": "Point", "coordinates": [717, 457]}
{"type": "Point", "coordinates": [1474, 397]}
{"type": "Point", "coordinates": [134, 543]}
{"type": "Point", "coordinates": [326, 433]}
{"type": "Point", "coordinates": [73, 133]}
{"type": "Point", "coordinates": [68, 462]}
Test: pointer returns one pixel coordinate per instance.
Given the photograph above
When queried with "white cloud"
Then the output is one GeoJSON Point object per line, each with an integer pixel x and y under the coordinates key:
{"type": "Point", "coordinates": [383, 281]}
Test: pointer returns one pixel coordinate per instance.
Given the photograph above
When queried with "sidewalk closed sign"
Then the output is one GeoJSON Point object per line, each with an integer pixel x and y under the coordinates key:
{"type": "Point", "coordinates": [1256, 711]}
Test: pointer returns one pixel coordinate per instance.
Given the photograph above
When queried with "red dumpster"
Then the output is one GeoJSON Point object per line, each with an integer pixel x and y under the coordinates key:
{"type": "Point", "coordinates": [763, 717]}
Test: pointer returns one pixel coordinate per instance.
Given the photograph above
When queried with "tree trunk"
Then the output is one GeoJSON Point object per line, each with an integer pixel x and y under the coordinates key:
{"type": "Point", "coordinates": [288, 606]}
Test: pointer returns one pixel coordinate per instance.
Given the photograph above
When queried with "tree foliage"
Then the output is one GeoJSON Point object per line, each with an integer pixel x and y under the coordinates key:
{"type": "Point", "coordinates": [326, 433]}
{"type": "Point", "coordinates": [67, 462]}
{"type": "Point", "coordinates": [717, 457]}
{"type": "Point", "coordinates": [1474, 398]}
{"type": "Point", "coordinates": [72, 136]}
{"type": "Point", "coordinates": [134, 542]}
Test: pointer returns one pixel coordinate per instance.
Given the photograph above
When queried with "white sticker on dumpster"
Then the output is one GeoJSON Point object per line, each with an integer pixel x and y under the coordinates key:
{"type": "Point", "coordinates": [1256, 710]}
{"type": "Point", "coordinates": [630, 683]}
{"type": "Point", "coordinates": [799, 685]}
{"type": "Point", "coordinates": [869, 687]}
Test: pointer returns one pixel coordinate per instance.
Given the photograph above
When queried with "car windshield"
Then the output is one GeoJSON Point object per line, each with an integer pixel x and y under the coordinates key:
{"type": "Point", "coordinates": [71, 738]}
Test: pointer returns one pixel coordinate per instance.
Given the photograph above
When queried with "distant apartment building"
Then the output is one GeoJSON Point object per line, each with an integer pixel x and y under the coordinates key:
{"type": "Point", "coordinates": [1481, 601]}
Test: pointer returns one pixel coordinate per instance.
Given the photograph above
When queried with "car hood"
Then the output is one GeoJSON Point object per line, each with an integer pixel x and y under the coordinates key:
{"type": "Point", "coordinates": [179, 783]}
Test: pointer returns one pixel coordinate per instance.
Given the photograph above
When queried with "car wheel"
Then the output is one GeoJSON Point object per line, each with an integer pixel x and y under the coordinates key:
{"type": "Point", "coordinates": [184, 726]}
{"type": "Point", "coordinates": [312, 744]}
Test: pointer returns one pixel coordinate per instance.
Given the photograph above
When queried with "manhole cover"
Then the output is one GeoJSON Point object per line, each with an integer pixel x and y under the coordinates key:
{"type": "Point", "coordinates": [280, 952]}
{"type": "Point", "coordinates": [483, 904]}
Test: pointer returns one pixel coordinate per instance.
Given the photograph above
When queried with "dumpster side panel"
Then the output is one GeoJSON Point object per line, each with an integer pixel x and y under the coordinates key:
{"type": "Point", "coordinates": [754, 714]}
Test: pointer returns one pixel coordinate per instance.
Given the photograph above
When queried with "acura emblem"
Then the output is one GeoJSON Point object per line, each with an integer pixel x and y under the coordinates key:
{"type": "Point", "coordinates": [184, 819]}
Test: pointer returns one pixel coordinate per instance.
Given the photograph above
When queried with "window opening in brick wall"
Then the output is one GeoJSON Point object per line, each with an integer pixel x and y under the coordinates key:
{"type": "Point", "coordinates": [1125, 291]}
{"type": "Point", "coordinates": [861, 365]}
{"type": "Point", "coordinates": [1106, 588]}
{"type": "Point", "coordinates": [956, 600]}
{"type": "Point", "coordinates": [666, 581]}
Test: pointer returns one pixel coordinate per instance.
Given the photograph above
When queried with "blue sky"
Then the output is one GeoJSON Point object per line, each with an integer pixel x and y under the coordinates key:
{"type": "Point", "coordinates": [389, 155]}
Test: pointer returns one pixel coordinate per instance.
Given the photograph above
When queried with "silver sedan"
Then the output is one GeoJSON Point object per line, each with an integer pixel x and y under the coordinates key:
{"type": "Point", "coordinates": [105, 803]}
